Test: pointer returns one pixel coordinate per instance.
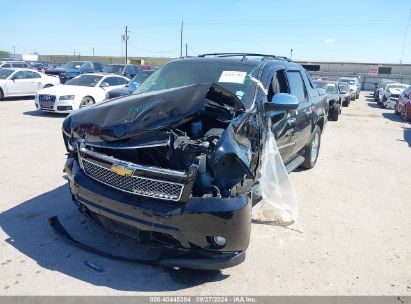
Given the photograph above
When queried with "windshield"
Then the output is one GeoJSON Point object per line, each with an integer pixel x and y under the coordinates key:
{"type": "Point", "coordinates": [331, 89]}
{"type": "Point", "coordinates": [343, 86]}
{"type": "Point", "coordinates": [231, 76]}
{"type": "Point", "coordinates": [114, 68]}
{"type": "Point", "coordinates": [347, 81]}
{"type": "Point", "coordinates": [320, 85]}
{"type": "Point", "coordinates": [73, 65]}
{"type": "Point", "coordinates": [4, 73]}
{"type": "Point", "coordinates": [84, 80]}
{"type": "Point", "coordinates": [140, 77]}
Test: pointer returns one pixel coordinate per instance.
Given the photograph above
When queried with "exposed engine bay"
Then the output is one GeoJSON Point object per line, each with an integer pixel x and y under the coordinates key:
{"type": "Point", "coordinates": [191, 143]}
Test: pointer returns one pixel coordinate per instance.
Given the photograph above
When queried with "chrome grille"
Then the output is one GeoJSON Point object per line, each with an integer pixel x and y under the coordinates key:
{"type": "Point", "coordinates": [138, 185]}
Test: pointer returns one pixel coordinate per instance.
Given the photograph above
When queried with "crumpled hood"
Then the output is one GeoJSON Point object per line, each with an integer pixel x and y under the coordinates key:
{"type": "Point", "coordinates": [138, 114]}
{"type": "Point", "coordinates": [395, 91]}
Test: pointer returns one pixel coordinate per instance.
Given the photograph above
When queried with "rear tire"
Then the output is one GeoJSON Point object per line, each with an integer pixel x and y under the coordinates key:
{"type": "Point", "coordinates": [334, 113]}
{"type": "Point", "coordinates": [1, 95]}
{"type": "Point", "coordinates": [312, 149]}
{"type": "Point", "coordinates": [396, 110]}
{"type": "Point", "coordinates": [403, 113]}
{"type": "Point", "coordinates": [87, 101]}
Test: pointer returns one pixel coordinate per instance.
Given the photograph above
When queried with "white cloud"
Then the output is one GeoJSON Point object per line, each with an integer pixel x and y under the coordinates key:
{"type": "Point", "coordinates": [329, 40]}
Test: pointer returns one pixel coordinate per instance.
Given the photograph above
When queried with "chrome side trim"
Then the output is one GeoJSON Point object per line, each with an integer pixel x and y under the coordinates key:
{"type": "Point", "coordinates": [132, 166]}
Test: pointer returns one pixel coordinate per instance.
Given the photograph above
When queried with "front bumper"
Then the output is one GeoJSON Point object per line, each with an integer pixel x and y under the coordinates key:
{"type": "Point", "coordinates": [59, 106]}
{"type": "Point", "coordinates": [185, 229]}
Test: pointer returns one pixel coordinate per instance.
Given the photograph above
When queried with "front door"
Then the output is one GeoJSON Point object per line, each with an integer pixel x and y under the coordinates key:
{"type": "Point", "coordinates": [303, 114]}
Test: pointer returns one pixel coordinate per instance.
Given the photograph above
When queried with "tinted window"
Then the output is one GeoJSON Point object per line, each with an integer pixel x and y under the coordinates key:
{"type": "Point", "coordinates": [4, 73]}
{"type": "Point", "coordinates": [112, 81]}
{"type": "Point", "coordinates": [121, 81]}
{"type": "Point", "coordinates": [114, 68]}
{"type": "Point", "coordinates": [36, 75]}
{"type": "Point", "coordinates": [7, 65]}
{"type": "Point", "coordinates": [297, 88]}
{"type": "Point", "coordinates": [20, 75]}
{"type": "Point", "coordinates": [278, 84]}
{"type": "Point", "coordinates": [18, 65]}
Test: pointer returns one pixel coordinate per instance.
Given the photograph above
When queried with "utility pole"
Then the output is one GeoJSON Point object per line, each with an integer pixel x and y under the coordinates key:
{"type": "Point", "coordinates": [125, 38]}
{"type": "Point", "coordinates": [291, 54]}
{"type": "Point", "coordinates": [93, 52]}
{"type": "Point", "coordinates": [181, 39]}
{"type": "Point", "coordinates": [186, 49]}
{"type": "Point", "coordinates": [14, 50]}
{"type": "Point", "coordinates": [405, 40]}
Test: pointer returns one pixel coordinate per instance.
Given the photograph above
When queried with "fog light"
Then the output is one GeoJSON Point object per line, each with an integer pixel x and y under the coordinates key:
{"type": "Point", "coordinates": [219, 240]}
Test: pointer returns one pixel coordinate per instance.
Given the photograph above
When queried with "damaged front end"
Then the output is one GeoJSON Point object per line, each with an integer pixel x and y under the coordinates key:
{"type": "Point", "coordinates": [171, 168]}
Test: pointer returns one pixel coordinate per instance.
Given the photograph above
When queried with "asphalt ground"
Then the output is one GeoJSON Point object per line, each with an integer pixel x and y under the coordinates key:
{"type": "Point", "coordinates": [353, 235]}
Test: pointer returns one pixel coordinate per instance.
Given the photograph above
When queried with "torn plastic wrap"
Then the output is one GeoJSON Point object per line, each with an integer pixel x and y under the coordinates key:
{"type": "Point", "coordinates": [279, 203]}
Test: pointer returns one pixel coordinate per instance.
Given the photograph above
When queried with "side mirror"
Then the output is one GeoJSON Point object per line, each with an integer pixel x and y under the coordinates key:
{"type": "Point", "coordinates": [281, 102]}
{"type": "Point", "coordinates": [321, 91]}
{"type": "Point", "coordinates": [104, 85]}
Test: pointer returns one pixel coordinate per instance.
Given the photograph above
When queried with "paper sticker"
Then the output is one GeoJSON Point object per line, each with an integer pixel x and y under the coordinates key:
{"type": "Point", "coordinates": [232, 76]}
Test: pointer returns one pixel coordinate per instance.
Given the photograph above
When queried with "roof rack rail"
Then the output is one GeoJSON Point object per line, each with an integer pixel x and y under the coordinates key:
{"type": "Point", "coordinates": [244, 55]}
{"type": "Point", "coordinates": [237, 54]}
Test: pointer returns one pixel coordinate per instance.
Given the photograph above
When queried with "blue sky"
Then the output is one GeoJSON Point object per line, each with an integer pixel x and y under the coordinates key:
{"type": "Point", "coordinates": [359, 31]}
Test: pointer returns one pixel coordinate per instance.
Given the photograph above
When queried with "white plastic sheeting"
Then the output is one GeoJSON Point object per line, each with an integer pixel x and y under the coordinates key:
{"type": "Point", "coordinates": [279, 203]}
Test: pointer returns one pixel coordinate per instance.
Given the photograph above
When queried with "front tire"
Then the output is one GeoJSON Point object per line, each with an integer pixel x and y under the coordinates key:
{"type": "Point", "coordinates": [87, 101]}
{"type": "Point", "coordinates": [312, 149]}
{"type": "Point", "coordinates": [1, 95]}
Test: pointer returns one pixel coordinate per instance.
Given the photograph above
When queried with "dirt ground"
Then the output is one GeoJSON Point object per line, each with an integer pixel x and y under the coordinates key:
{"type": "Point", "coordinates": [353, 236]}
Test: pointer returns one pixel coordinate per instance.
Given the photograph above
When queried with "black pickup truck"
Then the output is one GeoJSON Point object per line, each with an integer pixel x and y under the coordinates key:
{"type": "Point", "coordinates": [175, 164]}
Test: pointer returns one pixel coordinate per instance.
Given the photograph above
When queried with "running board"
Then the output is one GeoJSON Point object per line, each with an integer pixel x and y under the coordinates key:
{"type": "Point", "coordinates": [295, 163]}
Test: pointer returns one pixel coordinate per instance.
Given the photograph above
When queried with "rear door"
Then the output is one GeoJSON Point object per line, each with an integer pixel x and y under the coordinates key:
{"type": "Point", "coordinates": [303, 113]}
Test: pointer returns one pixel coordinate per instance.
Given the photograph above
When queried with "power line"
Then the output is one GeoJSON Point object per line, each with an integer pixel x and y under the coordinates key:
{"type": "Point", "coordinates": [151, 51]}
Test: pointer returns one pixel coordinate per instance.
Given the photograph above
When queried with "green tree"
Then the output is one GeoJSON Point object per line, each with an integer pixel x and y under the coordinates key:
{"type": "Point", "coordinates": [4, 54]}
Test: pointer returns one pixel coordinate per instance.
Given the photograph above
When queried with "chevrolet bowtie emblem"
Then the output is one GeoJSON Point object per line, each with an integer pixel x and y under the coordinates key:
{"type": "Point", "coordinates": [121, 170]}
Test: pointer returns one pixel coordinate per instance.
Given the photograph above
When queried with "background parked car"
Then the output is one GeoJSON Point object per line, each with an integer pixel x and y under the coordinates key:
{"type": "Point", "coordinates": [81, 91]}
{"type": "Point", "coordinates": [72, 69]}
{"type": "Point", "coordinates": [403, 106]}
{"type": "Point", "coordinates": [15, 64]}
{"type": "Point", "coordinates": [131, 86]}
{"type": "Point", "coordinates": [354, 85]}
{"type": "Point", "coordinates": [23, 82]}
{"type": "Point", "coordinates": [392, 91]}
{"type": "Point", "coordinates": [126, 70]}
{"type": "Point", "coordinates": [333, 97]}
{"type": "Point", "coordinates": [380, 85]}
{"type": "Point", "coordinates": [345, 94]}
{"type": "Point", "coordinates": [98, 66]}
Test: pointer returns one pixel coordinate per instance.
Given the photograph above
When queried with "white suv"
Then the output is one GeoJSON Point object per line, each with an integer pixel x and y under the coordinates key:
{"type": "Point", "coordinates": [354, 85]}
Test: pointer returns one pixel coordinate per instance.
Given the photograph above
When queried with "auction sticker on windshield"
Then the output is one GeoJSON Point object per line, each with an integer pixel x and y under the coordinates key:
{"type": "Point", "coordinates": [232, 76]}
